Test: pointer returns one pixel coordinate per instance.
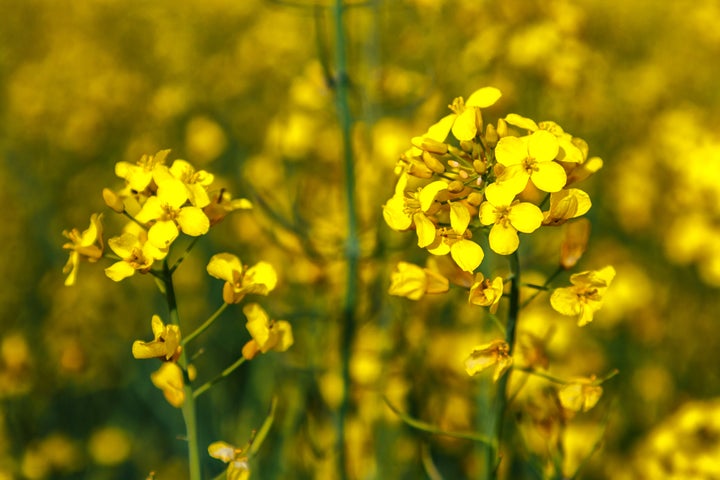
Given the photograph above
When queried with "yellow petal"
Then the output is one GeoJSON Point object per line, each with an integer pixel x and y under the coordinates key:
{"type": "Point", "coordinates": [549, 177]}
{"type": "Point", "coordinates": [440, 130]}
{"type": "Point", "coordinates": [459, 217]}
{"type": "Point", "coordinates": [222, 266]}
{"type": "Point", "coordinates": [193, 221]}
{"type": "Point", "coordinates": [467, 254]}
{"type": "Point", "coordinates": [263, 276]}
{"type": "Point", "coordinates": [169, 379]}
{"type": "Point", "coordinates": [222, 451]}
{"type": "Point", "coordinates": [483, 97]}
{"type": "Point", "coordinates": [408, 280]}
{"type": "Point", "coordinates": [543, 146]}
{"type": "Point", "coordinates": [503, 239]}
{"type": "Point", "coordinates": [464, 128]}
{"type": "Point", "coordinates": [257, 324]}
{"type": "Point", "coordinates": [488, 213]}
{"type": "Point", "coordinates": [425, 230]}
{"type": "Point", "coordinates": [163, 233]}
{"type": "Point", "coordinates": [565, 301]}
{"type": "Point", "coordinates": [525, 217]}
{"type": "Point", "coordinates": [511, 151]}
{"type": "Point", "coordinates": [119, 271]}
{"type": "Point", "coordinates": [285, 340]}
{"type": "Point", "coordinates": [429, 192]}
{"type": "Point", "coordinates": [521, 122]}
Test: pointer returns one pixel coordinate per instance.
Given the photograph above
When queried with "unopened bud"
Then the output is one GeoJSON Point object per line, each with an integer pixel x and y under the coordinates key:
{"type": "Point", "coordinates": [502, 128]}
{"type": "Point", "coordinates": [113, 200]}
{"type": "Point", "coordinates": [491, 135]}
{"type": "Point", "coordinates": [475, 199]}
{"type": "Point", "coordinates": [433, 146]}
{"type": "Point", "coordinates": [456, 186]}
{"type": "Point", "coordinates": [433, 163]}
{"type": "Point", "coordinates": [479, 166]}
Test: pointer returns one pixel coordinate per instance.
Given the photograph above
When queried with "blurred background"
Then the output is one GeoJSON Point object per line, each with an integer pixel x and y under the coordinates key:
{"type": "Point", "coordinates": [241, 88]}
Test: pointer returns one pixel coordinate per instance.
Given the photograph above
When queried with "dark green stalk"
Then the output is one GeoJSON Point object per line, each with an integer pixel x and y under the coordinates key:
{"type": "Point", "coordinates": [501, 397]}
{"type": "Point", "coordinates": [188, 408]}
{"type": "Point", "coordinates": [205, 325]}
{"type": "Point", "coordinates": [352, 248]}
{"type": "Point", "coordinates": [206, 386]}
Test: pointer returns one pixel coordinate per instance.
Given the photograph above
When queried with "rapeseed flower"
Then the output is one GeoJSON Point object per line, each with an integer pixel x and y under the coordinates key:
{"type": "Point", "coordinates": [165, 344]}
{"type": "Point", "coordinates": [136, 254]}
{"type": "Point", "coordinates": [259, 279]}
{"type": "Point", "coordinates": [485, 292]}
{"type": "Point", "coordinates": [139, 176]}
{"type": "Point", "coordinates": [580, 395]}
{"type": "Point", "coordinates": [266, 334]}
{"type": "Point", "coordinates": [494, 354]}
{"type": "Point", "coordinates": [413, 282]}
{"type": "Point", "coordinates": [507, 219]}
{"type": "Point", "coordinates": [169, 379]}
{"type": "Point", "coordinates": [87, 245]}
{"type": "Point", "coordinates": [585, 296]}
{"type": "Point", "coordinates": [236, 458]}
{"type": "Point", "coordinates": [530, 158]}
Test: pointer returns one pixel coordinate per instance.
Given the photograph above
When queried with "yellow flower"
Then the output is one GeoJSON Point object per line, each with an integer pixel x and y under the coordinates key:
{"type": "Point", "coordinates": [585, 296]}
{"type": "Point", "coordinates": [566, 204]}
{"type": "Point", "coordinates": [136, 254]}
{"type": "Point", "coordinates": [266, 334]}
{"type": "Point", "coordinates": [574, 242]}
{"type": "Point", "coordinates": [165, 344]}
{"type": "Point", "coordinates": [405, 209]}
{"type": "Point", "coordinates": [495, 353]}
{"type": "Point", "coordinates": [466, 119]}
{"type": "Point", "coordinates": [412, 281]}
{"type": "Point", "coordinates": [169, 379]}
{"type": "Point", "coordinates": [167, 214]}
{"type": "Point", "coordinates": [569, 149]}
{"type": "Point", "coordinates": [236, 458]}
{"type": "Point", "coordinates": [196, 181]}
{"type": "Point", "coordinates": [87, 245]}
{"type": "Point", "coordinates": [138, 176]}
{"type": "Point", "coordinates": [530, 158]}
{"type": "Point", "coordinates": [507, 219]}
{"type": "Point", "coordinates": [486, 293]}
{"type": "Point", "coordinates": [580, 395]}
{"type": "Point", "coordinates": [259, 279]}
{"type": "Point", "coordinates": [222, 203]}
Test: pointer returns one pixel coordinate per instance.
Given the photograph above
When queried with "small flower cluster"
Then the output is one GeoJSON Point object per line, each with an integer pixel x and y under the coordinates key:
{"type": "Point", "coordinates": [161, 202]}
{"type": "Point", "coordinates": [465, 177]}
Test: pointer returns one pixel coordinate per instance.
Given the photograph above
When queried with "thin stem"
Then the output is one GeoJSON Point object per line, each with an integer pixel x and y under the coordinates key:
{"type": "Point", "coordinates": [542, 288]}
{"type": "Point", "coordinates": [206, 386]}
{"type": "Point", "coordinates": [205, 325]}
{"type": "Point", "coordinates": [188, 407]}
{"type": "Point", "coordinates": [352, 248]}
{"type": "Point", "coordinates": [184, 254]}
{"type": "Point", "coordinates": [501, 399]}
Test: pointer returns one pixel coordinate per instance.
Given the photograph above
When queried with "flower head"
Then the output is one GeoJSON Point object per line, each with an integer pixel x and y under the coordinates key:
{"type": "Point", "coordinates": [222, 203]}
{"type": "Point", "coordinates": [486, 293]}
{"type": "Point", "coordinates": [585, 296]}
{"type": "Point", "coordinates": [87, 245]}
{"type": "Point", "coordinates": [580, 395]}
{"type": "Point", "coordinates": [507, 219]}
{"type": "Point", "coordinates": [565, 205]}
{"type": "Point", "coordinates": [139, 176]}
{"type": "Point", "coordinates": [165, 344]}
{"type": "Point", "coordinates": [466, 119]}
{"type": "Point", "coordinates": [196, 181]}
{"type": "Point", "coordinates": [495, 353]}
{"type": "Point", "coordinates": [136, 255]}
{"type": "Point", "coordinates": [259, 279]}
{"type": "Point", "coordinates": [266, 334]}
{"type": "Point", "coordinates": [530, 158]}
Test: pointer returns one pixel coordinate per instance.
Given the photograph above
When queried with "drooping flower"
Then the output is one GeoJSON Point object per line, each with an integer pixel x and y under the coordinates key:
{"type": "Point", "coordinates": [585, 296]}
{"type": "Point", "coordinates": [236, 458]}
{"type": "Point", "coordinates": [165, 344]}
{"type": "Point", "coordinates": [565, 205]}
{"type": "Point", "coordinates": [494, 354]}
{"type": "Point", "coordinates": [259, 279]}
{"type": "Point", "coordinates": [136, 255]}
{"type": "Point", "coordinates": [530, 158]}
{"type": "Point", "coordinates": [507, 219]}
{"type": "Point", "coordinates": [87, 245]}
{"type": "Point", "coordinates": [266, 334]}
{"type": "Point", "coordinates": [169, 379]}
{"type": "Point", "coordinates": [221, 204]}
{"type": "Point", "coordinates": [580, 395]}
{"type": "Point", "coordinates": [413, 282]}
{"type": "Point", "coordinates": [167, 214]}
{"type": "Point", "coordinates": [485, 292]}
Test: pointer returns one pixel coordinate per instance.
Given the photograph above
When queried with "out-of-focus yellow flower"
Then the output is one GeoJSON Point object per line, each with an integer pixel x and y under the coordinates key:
{"type": "Point", "coordinates": [266, 334]}
{"type": "Point", "coordinates": [566, 204]}
{"type": "Point", "coordinates": [165, 345]}
{"type": "Point", "coordinates": [507, 219]}
{"type": "Point", "coordinates": [222, 203]}
{"type": "Point", "coordinates": [87, 245]}
{"type": "Point", "coordinates": [412, 281]}
{"type": "Point", "coordinates": [259, 279]}
{"type": "Point", "coordinates": [532, 158]}
{"type": "Point", "coordinates": [236, 458]}
{"type": "Point", "coordinates": [486, 292]}
{"type": "Point", "coordinates": [580, 395]}
{"type": "Point", "coordinates": [168, 214]}
{"type": "Point", "coordinates": [136, 254]}
{"type": "Point", "coordinates": [585, 296]}
{"type": "Point", "coordinates": [574, 243]}
{"type": "Point", "coordinates": [169, 379]}
{"type": "Point", "coordinates": [495, 353]}
{"type": "Point", "coordinates": [139, 175]}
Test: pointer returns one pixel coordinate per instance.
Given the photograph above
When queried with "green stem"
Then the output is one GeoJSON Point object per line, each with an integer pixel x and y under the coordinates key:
{"type": "Point", "coordinates": [184, 254]}
{"type": "Point", "coordinates": [352, 248]}
{"type": "Point", "coordinates": [206, 386]}
{"type": "Point", "coordinates": [501, 398]}
{"type": "Point", "coordinates": [205, 325]}
{"type": "Point", "coordinates": [188, 407]}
